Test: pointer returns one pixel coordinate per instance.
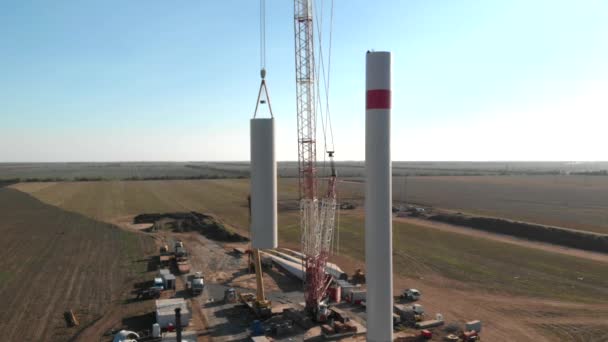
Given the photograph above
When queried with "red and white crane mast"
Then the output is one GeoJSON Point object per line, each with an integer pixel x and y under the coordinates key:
{"type": "Point", "coordinates": [305, 98]}
{"type": "Point", "coordinates": [317, 219]}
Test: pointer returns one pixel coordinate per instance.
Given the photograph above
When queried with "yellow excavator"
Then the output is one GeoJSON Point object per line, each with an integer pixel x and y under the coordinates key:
{"type": "Point", "coordinates": [262, 306]}
{"type": "Point", "coordinates": [258, 303]}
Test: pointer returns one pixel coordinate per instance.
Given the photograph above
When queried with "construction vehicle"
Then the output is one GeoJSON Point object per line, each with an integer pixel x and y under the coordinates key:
{"type": "Point", "coordinates": [126, 336]}
{"type": "Point", "coordinates": [181, 258]}
{"type": "Point", "coordinates": [357, 297]}
{"type": "Point", "coordinates": [261, 305]}
{"type": "Point", "coordinates": [196, 284]}
{"type": "Point", "coordinates": [323, 313]}
{"type": "Point", "coordinates": [473, 325]}
{"type": "Point", "coordinates": [149, 293]}
{"type": "Point", "coordinates": [258, 303]}
{"type": "Point", "coordinates": [411, 295]}
{"type": "Point", "coordinates": [347, 206]}
{"type": "Point", "coordinates": [410, 314]}
{"type": "Point", "coordinates": [469, 336]}
{"type": "Point", "coordinates": [158, 283]}
{"type": "Point", "coordinates": [261, 309]}
{"type": "Point", "coordinates": [164, 249]}
{"type": "Point", "coordinates": [165, 256]}
{"type": "Point", "coordinates": [180, 251]}
{"type": "Point", "coordinates": [338, 326]}
{"type": "Point", "coordinates": [426, 334]}
{"type": "Point", "coordinates": [264, 261]}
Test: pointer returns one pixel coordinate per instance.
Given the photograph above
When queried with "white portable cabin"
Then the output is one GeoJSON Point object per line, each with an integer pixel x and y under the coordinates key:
{"type": "Point", "coordinates": [165, 312]}
{"type": "Point", "coordinates": [473, 325]}
{"type": "Point", "coordinates": [356, 296]}
{"type": "Point", "coordinates": [347, 287]}
{"type": "Point", "coordinates": [168, 281]}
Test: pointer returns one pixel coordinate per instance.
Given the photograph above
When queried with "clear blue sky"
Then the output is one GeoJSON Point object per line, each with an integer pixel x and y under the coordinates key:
{"type": "Point", "coordinates": [177, 80]}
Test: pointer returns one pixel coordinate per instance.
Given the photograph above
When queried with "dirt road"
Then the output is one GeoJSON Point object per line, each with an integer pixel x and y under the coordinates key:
{"type": "Point", "coordinates": [505, 238]}
{"type": "Point", "coordinates": [505, 317]}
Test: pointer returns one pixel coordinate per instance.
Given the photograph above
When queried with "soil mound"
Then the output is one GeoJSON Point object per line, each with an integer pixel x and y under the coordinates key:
{"type": "Point", "coordinates": [555, 235]}
{"type": "Point", "coordinates": [191, 221]}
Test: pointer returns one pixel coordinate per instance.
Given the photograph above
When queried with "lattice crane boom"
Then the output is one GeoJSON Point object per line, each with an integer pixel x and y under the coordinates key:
{"type": "Point", "coordinates": [305, 98]}
{"type": "Point", "coordinates": [317, 218]}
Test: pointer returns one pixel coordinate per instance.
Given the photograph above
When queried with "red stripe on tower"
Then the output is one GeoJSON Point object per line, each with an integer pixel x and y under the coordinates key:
{"type": "Point", "coordinates": [378, 99]}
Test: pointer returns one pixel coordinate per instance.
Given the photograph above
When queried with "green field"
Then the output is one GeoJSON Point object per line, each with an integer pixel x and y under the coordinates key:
{"type": "Point", "coordinates": [492, 266]}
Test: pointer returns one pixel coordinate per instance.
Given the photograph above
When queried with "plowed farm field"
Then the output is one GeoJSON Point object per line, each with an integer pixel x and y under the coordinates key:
{"type": "Point", "coordinates": [576, 202]}
{"type": "Point", "coordinates": [53, 260]}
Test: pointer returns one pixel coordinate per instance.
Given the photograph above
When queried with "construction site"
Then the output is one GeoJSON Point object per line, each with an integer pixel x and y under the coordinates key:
{"type": "Point", "coordinates": [208, 289]}
{"type": "Point", "coordinates": [305, 250]}
{"type": "Point", "coordinates": [223, 291]}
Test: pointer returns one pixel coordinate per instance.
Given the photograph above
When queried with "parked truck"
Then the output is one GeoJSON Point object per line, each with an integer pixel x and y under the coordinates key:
{"type": "Point", "coordinates": [470, 336]}
{"type": "Point", "coordinates": [149, 293]}
{"type": "Point", "coordinates": [196, 283]}
{"type": "Point", "coordinates": [181, 258]}
{"type": "Point", "coordinates": [409, 314]}
{"type": "Point", "coordinates": [164, 249]}
{"type": "Point", "coordinates": [165, 256]}
{"type": "Point", "coordinates": [158, 283]}
{"type": "Point", "coordinates": [410, 295]}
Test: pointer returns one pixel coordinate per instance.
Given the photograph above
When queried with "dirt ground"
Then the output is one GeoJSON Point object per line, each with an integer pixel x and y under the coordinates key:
{"type": "Point", "coordinates": [138, 315]}
{"type": "Point", "coordinates": [52, 261]}
{"type": "Point", "coordinates": [505, 318]}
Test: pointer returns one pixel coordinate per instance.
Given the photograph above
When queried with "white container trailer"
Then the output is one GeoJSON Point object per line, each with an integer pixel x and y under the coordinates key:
{"type": "Point", "coordinates": [473, 325]}
{"type": "Point", "coordinates": [165, 312]}
{"type": "Point", "coordinates": [168, 281]}
{"type": "Point", "coordinates": [347, 288]}
{"type": "Point", "coordinates": [356, 296]}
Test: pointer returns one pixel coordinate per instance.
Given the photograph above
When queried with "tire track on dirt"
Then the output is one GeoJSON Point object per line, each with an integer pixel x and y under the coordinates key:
{"type": "Point", "coordinates": [74, 261]}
